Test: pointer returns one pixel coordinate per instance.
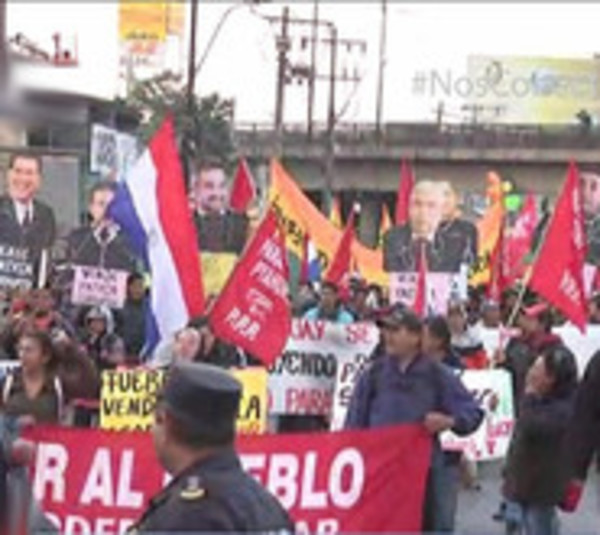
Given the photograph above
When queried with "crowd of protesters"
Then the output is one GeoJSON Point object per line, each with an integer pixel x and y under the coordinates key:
{"type": "Point", "coordinates": [63, 350]}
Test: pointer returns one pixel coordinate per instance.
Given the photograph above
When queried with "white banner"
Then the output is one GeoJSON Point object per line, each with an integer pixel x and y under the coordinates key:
{"type": "Point", "coordinates": [302, 380]}
{"type": "Point", "coordinates": [441, 289]}
{"type": "Point", "coordinates": [493, 390]}
{"type": "Point", "coordinates": [583, 346]}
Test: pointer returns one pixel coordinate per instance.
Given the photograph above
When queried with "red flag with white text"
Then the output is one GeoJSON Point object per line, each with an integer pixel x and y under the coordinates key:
{"type": "Point", "coordinates": [557, 274]}
{"type": "Point", "coordinates": [253, 311]}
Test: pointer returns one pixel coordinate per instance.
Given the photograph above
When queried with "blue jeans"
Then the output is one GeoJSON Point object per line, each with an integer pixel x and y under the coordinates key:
{"type": "Point", "coordinates": [531, 519]}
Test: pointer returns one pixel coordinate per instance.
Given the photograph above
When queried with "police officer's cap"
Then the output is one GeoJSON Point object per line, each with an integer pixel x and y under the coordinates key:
{"type": "Point", "coordinates": [203, 396]}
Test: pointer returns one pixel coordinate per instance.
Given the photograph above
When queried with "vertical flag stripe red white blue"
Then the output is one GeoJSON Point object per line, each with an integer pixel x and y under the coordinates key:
{"type": "Point", "coordinates": [151, 207]}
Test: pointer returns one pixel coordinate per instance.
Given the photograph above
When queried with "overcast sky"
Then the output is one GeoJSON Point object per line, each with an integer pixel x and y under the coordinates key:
{"type": "Point", "coordinates": [242, 63]}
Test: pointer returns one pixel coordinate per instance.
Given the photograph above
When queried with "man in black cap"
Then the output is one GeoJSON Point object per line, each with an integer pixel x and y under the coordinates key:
{"type": "Point", "coordinates": [193, 435]}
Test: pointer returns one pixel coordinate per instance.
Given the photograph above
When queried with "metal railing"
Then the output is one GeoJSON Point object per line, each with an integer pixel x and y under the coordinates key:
{"type": "Point", "coordinates": [428, 134]}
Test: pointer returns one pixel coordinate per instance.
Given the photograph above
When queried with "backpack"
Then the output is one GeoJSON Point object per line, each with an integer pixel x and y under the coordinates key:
{"type": "Point", "coordinates": [58, 390]}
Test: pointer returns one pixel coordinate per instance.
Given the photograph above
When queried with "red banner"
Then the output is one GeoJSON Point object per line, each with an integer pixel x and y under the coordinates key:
{"type": "Point", "coordinates": [360, 481]}
{"type": "Point", "coordinates": [252, 311]}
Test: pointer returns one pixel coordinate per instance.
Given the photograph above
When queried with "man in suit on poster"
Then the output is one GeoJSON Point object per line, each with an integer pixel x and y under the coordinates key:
{"type": "Point", "coordinates": [26, 222]}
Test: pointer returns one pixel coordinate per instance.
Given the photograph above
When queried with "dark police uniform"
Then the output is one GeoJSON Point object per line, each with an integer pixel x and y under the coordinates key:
{"type": "Point", "coordinates": [214, 494]}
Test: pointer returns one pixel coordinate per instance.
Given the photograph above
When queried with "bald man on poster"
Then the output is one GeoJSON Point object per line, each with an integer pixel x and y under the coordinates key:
{"type": "Point", "coordinates": [402, 244]}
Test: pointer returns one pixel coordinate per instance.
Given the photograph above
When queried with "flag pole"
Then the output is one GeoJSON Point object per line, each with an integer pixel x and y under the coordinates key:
{"type": "Point", "coordinates": [527, 277]}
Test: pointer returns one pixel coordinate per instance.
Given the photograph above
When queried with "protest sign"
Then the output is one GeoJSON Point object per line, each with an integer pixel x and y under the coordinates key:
{"type": "Point", "coordinates": [441, 289]}
{"type": "Point", "coordinates": [360, 481]}
{"type": "Point", "coordinates": [98, 286]}
{"type": "Point", "coordinates": [252, 417]}
{"type": "Point", "coordinates": [128, 399]}
{"type": "Point", "coordinates": [7, 367]}
{"type": "Point", "coordinates": [493, 391]}
{"type": "Point", "coordinates": [16, 271]}
{"type": "Point", "coordinates": [302, 380]}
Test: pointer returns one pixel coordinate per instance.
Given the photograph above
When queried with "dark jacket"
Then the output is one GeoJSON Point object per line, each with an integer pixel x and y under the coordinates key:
{"type": "Point", "coordinates": [219, 233]}
{"type": "Point", "coordinates": [215, 495]}
{"type": "Point", "coordinates": [84, 249]}
{"type": "Point", "coordinates": [401, 252]}
{"type": "Point", "coordinates": [536, 471]}
{"type": "Point", "coordinates": [584, 428]}
{"type": "Point", "coordinates": [386, 396]}
{"type": "Point", "coordinates": [131, 325]}
{"type": "Point", "coordinates": [521, 353]}
{"type": "Point", "coordinates": [36, 237]}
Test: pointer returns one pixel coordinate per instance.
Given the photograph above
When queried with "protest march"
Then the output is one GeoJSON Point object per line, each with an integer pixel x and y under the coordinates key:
{"type": "Point", "coordinates": [216, 347]}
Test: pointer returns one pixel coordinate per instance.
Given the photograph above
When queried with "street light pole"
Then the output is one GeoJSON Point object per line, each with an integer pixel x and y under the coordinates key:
{"type": "Point", "coordinates": [283, 46]}
{"type": "Point", "coordinates": [313, 67]}
{"type": "Point", "coordinates": [330, 160]}
{"type": "Point", "coordinates": [382, 61]}
{"type": "Point", "coordinates": [3, 52]}
{"type": "Point", "coordinates": [191, 78]}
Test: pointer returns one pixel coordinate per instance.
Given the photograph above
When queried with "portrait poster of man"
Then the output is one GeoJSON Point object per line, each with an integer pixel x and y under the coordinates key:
{"type": "Point", "coordinates": [590, 183]}
{"type": "Point", "coordinates": [25, 222]}
{"type": "Point", "coordinates": [222, 233]}
{"type": "Point", "coordinates": [435, 231]}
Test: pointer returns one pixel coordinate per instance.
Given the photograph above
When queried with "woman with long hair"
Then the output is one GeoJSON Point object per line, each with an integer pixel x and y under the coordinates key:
{"type": "Point", "coordinates": [33, 393]}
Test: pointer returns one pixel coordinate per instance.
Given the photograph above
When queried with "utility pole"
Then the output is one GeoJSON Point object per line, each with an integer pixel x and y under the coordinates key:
{"type": "Point", "coordinates": [313, 67]}
{"type": "Point", "coordinates": [3, 51]}
{"type": "Point", "coordinates": [283, 46]}
{"type": "Point", "coordinates": [382, 62]}
{"type": "Point", "coordinates": [330, 159]}
{"type": "Point", "coordinates": [191, 78]}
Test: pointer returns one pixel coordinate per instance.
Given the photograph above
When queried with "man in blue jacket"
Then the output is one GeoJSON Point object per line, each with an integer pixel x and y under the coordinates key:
{"type": "Point", "coordinates": [407, 387]}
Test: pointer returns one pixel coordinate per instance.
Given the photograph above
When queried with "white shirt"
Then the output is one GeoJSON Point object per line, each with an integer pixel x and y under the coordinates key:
{"type": "Point", "coordinates": [22, 209]}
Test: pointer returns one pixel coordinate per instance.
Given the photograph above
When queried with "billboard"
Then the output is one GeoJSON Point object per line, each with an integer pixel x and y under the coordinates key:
{"type": "Point", "coordinates": [533, 90]}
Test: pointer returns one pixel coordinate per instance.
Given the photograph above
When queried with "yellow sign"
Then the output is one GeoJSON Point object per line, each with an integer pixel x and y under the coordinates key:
{"type": "Point", "coordinates": [538, 90]}
{"type": "Point", "coordinates": [216, 269]}
{"type": "Point", "coordinates": [128, 399]}
{"type": "Point", "coordinates": [176, 18]}
{"type": "Point", "coordinates": [299, 215]}
{"type": "Point", "coordinates": [252, 418]}
{"type": "Point", "coordinates": [143, 20]}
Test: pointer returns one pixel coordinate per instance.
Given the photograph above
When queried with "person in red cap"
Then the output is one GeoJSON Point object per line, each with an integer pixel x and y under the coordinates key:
{"type": "Point", "coordinates": [535, 323]}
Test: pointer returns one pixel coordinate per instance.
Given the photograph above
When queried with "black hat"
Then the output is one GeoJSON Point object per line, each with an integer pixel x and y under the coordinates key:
{"type": "Point", "coordinates": [398, 316]}
{"type": "Point", "coordinates": [204, 397]}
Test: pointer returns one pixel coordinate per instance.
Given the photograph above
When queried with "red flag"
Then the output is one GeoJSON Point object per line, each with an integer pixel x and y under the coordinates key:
{"type": "Point", "coordinates": [557, 274]}
{"type": "Point", "coordinates": [243, 190]}
{"type": "Point", "coordinates": [253, 311]}
{"type": "Point", "coordinates": [407, 182]}
{"type": "Point", "coordinates": [341, 263]}
{"type": "Point", "coordinates": [518, 244]}
{"type": "Point", "coordinates": [420, 302]}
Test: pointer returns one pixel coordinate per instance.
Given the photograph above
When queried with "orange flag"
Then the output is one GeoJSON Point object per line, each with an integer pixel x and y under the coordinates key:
{"type": "Point", "coordinates": [385, 224]}
{"type": "Point", "coordinates": [335, 213]}
{"type": "Point", "coordinates": [341, 264]}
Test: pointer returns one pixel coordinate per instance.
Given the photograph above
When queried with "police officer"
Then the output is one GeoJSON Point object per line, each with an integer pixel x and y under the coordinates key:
{"type": "Point", "coordinates": [193, 435]}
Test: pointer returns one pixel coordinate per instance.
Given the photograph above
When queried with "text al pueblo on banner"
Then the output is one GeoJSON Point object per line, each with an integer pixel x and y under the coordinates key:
{"type": "Point", "coordinates": [338, 482]}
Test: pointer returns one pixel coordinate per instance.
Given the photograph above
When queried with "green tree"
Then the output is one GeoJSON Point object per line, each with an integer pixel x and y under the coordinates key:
{"type": "Point", "coordinates": [203, 126]}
